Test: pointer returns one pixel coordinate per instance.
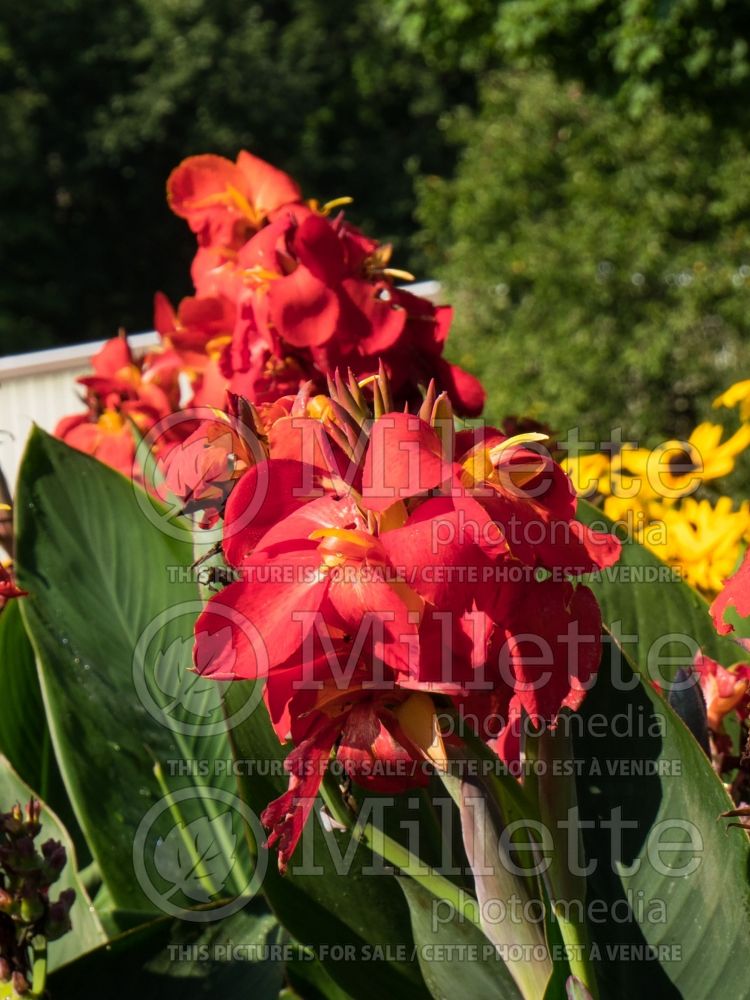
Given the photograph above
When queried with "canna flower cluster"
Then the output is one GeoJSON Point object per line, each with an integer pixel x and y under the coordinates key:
{"type": "Point", "coordinates": [398, 581]}
{"type": "Point", "coordinates": [286, 291]}
{"type": "Point", "coordinates": [667, 499]}
{"type": "Point", "coordinates": [392, 572]}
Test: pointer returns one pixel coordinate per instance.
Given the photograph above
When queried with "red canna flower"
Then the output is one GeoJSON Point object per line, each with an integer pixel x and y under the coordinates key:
{"type": "Point", "coordinates": [197, 322]}
{"type": "Point", "coordinates": [736, 594]}
{"type": "Point", "coordinates": [369, 736]}
{"type": "Point", "coordinates": [8, 587]}
{"type": "Point", "coordinates": [225, 202]}
{"type": "Point", "coordinates": [532, 502]}
{"type": "Point", "coordinates": [108, 437]}
{"type": "Point", "coordinates": [397, 560]}
{"type": "Point", "coordinates": [724, 691]}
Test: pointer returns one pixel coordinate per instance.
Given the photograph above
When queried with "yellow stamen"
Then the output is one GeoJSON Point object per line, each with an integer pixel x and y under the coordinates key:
{"type": "Point", "coordinates": [342, 534]}
{"type": "Point", "coordinates": [419, 722]}
{"type": "Point", "coordinates": [258, 277]}
{"type": "Point", "coordinates": [217, 344]}
{"type": "Point", "coordinates": [513, 442]}
{"type": "Point", "coordinates": [335, 203]}
{"type": "Point", "coordinates": [111, 422]}
{"type": "Point", "coordinates": [229, 197]}
{"type": "Point", "coordinates": [395, 272]}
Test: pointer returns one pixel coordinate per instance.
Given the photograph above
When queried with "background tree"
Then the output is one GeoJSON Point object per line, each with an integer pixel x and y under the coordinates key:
{"type": "Point", "coordinates": [99, 102]}
{"type": "Point", "coordinates": [599, 265]}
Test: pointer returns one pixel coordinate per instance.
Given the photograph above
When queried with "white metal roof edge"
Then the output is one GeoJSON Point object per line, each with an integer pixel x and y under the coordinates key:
{"type": "Point", "coordinates": [60, 358]}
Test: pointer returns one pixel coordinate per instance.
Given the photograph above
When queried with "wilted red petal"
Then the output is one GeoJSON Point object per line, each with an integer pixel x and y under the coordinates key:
{"type": "Point", "coordinates": [549, 646]}
{"type": "Point", "coordinates": [286, 816]}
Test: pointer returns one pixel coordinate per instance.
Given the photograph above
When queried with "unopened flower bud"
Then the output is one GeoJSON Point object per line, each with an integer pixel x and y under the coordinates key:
{"type": "Point", "coordinates": [58, 916]}
{"type": "Point", "coordinates": [33, 812]}
{"type": "Point", "coordinates": [12, 822]}
{"type": "Point", "coordinates": [55, 857]}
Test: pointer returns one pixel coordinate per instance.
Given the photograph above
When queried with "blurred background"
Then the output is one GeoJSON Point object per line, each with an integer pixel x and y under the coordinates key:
{"type": "Point", "coordinates": [575, 172]}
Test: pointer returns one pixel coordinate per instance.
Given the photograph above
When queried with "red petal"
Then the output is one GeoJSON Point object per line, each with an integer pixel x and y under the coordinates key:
{"type": "Point", "coordinates": [372, 322]}
{"type": "Point", "coordinates": [319, 249]}
{"type": "Point", "coordinates": [267, 493]}
{"type": "Point", "coordinates": [254, 618]}
{"type": "Point", "coordinates": [267, 187]}
{"type": "Point", "coordinates": [404, 459]}
{"type": "Point", "coordinates": [551, 644]}
{"type": "Point", "coordinates": [194, 190]}
{"type": "Point", "coordinates": [286, 816]}
{"type": "Point", "coordinates": [165, 318]}
{"type": "Point", "coordinates": [736, 594]}
{"type": "Point", "coordinates": [114, 356]}
{"type": "Point", "coordinates": [465, 391]}
{"type": "Point", "coordinates": [440, 546]}
{"type": "Point", "coordinates": [365, 601]}
{"type": "Point", "coordinates": [303, 309]}
{"type": "Point", "coordinates": [603, 549]}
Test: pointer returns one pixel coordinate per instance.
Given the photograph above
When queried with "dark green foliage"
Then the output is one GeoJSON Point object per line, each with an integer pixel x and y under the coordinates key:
{"type": "Point", "coordinates": [600, 266]}
{"type": "Point", "coordinates": [685, 52]}
{"type": "Point", "coordinates": [99, 101]}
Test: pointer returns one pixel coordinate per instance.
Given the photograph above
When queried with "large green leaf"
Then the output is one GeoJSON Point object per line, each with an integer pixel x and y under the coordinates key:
{"type": "Point", "coordinates": [455, 957]}
{"type": "Point", "coordinates": [641, 597]}
{"type": "Point", "coordinates": [324, 909]}
{"type": "Point", "coordinates": [87, 932]}
{"type": "Point", "coordinates": [24, 734]}
{"type": "Point", "coordinates": [110, 613]}
{"type": "Point", "coordinates": [170, 960]}
{"type": "Point", "coordinates": [640, 768]}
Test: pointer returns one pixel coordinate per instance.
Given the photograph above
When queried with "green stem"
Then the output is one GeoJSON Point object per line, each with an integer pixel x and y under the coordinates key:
{"type": "Point", "coordinates": [576, 938]}
{"type": "Point", "coordinates": [398, 856]}
{"type": "Point", "coordinates": [179, 819]}
{"type": "Point", "coordinates": [91, 877]}
{"type": "Point", "coordinates": [556, 799]}
{"type": "Point", "coordinates": [39, 967]}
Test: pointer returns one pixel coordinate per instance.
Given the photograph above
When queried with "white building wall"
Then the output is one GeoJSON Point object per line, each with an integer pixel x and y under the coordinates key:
{"type": "Point", "coordinates": [40, 388]}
